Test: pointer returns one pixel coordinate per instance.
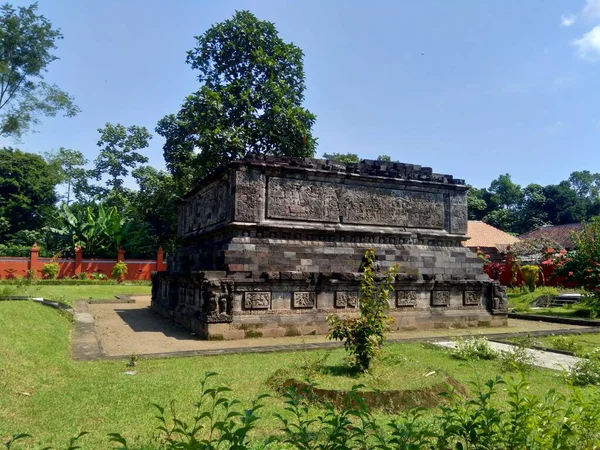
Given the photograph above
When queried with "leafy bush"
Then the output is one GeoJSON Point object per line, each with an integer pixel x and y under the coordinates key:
{"type": "Point", "coordinates": [473, 349]}
{"type": "Point", "coordinates": [517, 359]}
{"type": "Point", "coordinates": [363, 336]}
{"type": "Point", "coordinates": [567, 343]}
{"type": "Point", "coordinates": [50, 270]}
{"type": "Point", "coordinates": [218, 422]}
{"type": "Point", "coordinates": [530, 275]}
{"type": "Point", "coordinates": [98, 276]}
{"type": "Point", "coordinates": [119, 270]}
{"type": "Point", "coordinates": [585, 372]}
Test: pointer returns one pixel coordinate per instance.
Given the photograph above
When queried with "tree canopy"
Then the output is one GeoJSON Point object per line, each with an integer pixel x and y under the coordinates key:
{"type": "Point", "coordinates": [27, 41]}
{"type": "Point", "coordinates": [27, 192]}
{"type": "Point", "coordinates": [119, 152]}
{"type": "Point", "coordinates": [249, 100]}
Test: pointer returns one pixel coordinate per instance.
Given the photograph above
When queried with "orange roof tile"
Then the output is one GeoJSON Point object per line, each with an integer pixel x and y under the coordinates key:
{"type": "Point", "coordinates": [483, 235]}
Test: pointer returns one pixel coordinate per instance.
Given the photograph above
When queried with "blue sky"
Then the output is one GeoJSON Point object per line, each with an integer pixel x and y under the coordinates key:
{"type": "Point", "coordinates": [470, 88]}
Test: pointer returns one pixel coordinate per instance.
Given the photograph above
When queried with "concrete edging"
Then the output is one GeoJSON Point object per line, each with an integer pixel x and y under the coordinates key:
{"type": "Point", "coordinates": [555, 319]}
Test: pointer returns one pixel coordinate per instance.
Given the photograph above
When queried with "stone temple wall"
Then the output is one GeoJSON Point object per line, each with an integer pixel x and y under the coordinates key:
{"type": "Point", "coordinates": [274, 245]}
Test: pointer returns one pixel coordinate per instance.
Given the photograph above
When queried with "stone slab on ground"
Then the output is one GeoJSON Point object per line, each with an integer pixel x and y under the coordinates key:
{"type": "Point", "coordinates": [120, 330]}
{"type": "Point", "coordinates": [86, 345]}
{"type": "Point", "coordinates": [548, 360]}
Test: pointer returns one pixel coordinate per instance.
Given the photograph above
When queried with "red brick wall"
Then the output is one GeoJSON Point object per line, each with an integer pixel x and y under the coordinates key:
{"type": "Point", "coordinates": [138, 269]}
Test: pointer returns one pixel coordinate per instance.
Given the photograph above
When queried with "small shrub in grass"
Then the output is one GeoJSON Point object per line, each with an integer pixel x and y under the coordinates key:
{"type": "Point", "coordinates": [50, 271]}
{"type": "Point", "coordinates": [218, 422]}
{"type": "Point", "coordinates": [516, 359]}
{"type": "Point", "coordinates": [473, 349]}
{"type": "Point", "coordinates": [364, 336]}
{"type": "Point", "coordinates": [585, 372]}
{"type": "Point", "coordinates": [567, 343]}
{"type": "Point", "coordinates": [530, 275]}
{"type": "Point", "coordinates": [119, 270]}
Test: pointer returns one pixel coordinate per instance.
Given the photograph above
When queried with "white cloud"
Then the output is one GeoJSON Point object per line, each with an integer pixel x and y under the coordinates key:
{"type": "Point", "coordinates": [588, 46]}
{"type": "Point", "coordinates": [555, 127]}
{"type": "Point", "coordinates": [567, 21]}
{"type": "Point", "coordinates": [591, 10]}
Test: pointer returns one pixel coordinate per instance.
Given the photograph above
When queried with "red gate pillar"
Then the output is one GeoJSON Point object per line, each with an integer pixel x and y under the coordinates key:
{"type": "Point", "coordinates": [34, 253]}
{"type": "Point", "coordinates": [78, 260]}
{"type": "Point", "coordinates": [160, 265]}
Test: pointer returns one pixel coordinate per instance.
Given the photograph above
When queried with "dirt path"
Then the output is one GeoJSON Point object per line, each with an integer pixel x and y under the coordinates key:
{"type": "Point", "coordinates": [124, 329]}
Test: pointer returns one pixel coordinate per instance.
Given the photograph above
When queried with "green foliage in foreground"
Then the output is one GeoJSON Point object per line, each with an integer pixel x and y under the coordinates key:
{"type": "Point", "coordinates": [45, 393]}
{"type": "Point", "coordinates": [306, 423]}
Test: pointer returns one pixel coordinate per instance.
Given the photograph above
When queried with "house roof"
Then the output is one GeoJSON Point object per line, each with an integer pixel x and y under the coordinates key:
{"type": "Point", "coordinates": [486, 236]}
{"type": "Point", "coordinates": [558, 233]}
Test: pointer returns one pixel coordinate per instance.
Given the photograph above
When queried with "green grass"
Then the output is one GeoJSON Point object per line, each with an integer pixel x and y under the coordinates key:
{"type": "Point", "coordinates": [44, 393]}
{"type": "Point", "coordinates": [67, 294]}
{"type": "Point", "coordinates": [520, 299]}
{"type": "Point", "coordinates": [580, 344]}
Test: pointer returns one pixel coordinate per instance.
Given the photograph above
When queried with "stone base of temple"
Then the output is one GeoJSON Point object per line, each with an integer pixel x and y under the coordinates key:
{"type": "Point", "coordinates": [216, 306]}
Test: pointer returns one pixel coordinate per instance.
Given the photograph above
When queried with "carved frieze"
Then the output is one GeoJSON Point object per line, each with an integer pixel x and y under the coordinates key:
{"type": "Point", "coordinates": [440, 298]}
{"type": "Point", "coordinates": [355, 204]}
{"type": "Point", "coordinates": [304, 300]}
{"type": "Point", "coordinates": [346, 299]}
{"type": "Point", "coordinates": [257, 300]}
{"type": "Point", "coordinates": [406, 298]}
{"type": "Point", "coordinates": [471, 298]}
{"type": "Point", "coordinates": [207, 208]}
{"type": "Point", "coordinates": [249, 198]}
{"type": "Point", "coordinates": [458, 213]}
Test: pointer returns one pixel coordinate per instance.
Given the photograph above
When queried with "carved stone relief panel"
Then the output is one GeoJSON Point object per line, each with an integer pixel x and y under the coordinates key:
{"type": "Point", "coordinates": [458, 213]}
{"type": "Point", "coordinates": [346, 299]}
{"type": "Point", "coordinates": [406, 298]}
{"type": "Point", "coordinates": [209, 207]}
{"type": "Point", "coordinates": [472, 298]}
{"type": "Point", "coordinates": [249, 197]}
{"type": "Point", "coordinates": [304, 300]}
{"type": "Point", "coordinates": [333, 202]}
{"type": "Point", "coordinates": [440, 298]}
{"type": "Point", "coordinates": [257, 300]}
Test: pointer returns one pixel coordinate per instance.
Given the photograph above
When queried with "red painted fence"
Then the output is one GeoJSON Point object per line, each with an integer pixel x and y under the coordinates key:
{"type": "Point", "coordinates": [138, 269]}
{"type": "Point", "coordinates": [545, 277]}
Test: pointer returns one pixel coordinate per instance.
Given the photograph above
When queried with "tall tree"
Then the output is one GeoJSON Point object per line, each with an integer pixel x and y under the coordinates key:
{"type": "Point", "coordinates": [119, 152]}
{"type": "Point", "coordinates": [27, 192]}
{"type": "Point", "coordinates": [507, 194]}
{"type": "Point", "coordinates": [477, 204]}
{"type": "Point", "coordinates": [70, 165]}
{"type": "Point", "coordinates": [562, 204]}
{"type": "Point", "coordinates": [249, 101]}
{"type": "Point", "coordinates": [27, 41]}
{"type": "Point", "coordinates": [156, 202]}
{"type": "Point", "coordinates": [585, 183]}
{"type": "Point", "coordinates": [532, 212]}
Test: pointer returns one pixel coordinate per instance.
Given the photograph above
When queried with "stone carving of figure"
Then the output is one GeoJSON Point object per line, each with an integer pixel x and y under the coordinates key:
{"type": "Point", "coordinates": [499, 299]}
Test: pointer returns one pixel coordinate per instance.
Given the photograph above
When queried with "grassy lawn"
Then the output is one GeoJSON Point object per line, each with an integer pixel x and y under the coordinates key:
{"type": "Point", "coordinates": [580, 344]}
{"type": "Point", "coordinates": [520, 301]}
{"type": "Point", "coordinates": [44, 393]}
{"type": "Point", "coordinates": [67, 294]}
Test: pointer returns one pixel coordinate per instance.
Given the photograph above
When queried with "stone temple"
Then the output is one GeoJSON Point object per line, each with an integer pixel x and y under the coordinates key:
{"type": "Point", "coordinates": [271, 246]}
